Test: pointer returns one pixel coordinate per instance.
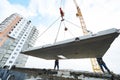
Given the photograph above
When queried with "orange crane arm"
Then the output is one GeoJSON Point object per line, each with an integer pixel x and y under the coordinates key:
{"type": "Point", "coordinates": [94, 63]}
{"type": "Point", "coordinates": [79, 14]}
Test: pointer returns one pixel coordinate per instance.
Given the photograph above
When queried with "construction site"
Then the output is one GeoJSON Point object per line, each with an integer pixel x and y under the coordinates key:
{"type": "Point", "coordinates": [18, 37]}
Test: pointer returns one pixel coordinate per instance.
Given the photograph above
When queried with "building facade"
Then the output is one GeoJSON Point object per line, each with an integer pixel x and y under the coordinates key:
{"type": "Point", "coordinates": [16, 34]}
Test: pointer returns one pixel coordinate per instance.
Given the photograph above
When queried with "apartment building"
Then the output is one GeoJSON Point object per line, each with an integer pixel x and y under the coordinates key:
{"type": "Point", "coordinates": [16, 34]}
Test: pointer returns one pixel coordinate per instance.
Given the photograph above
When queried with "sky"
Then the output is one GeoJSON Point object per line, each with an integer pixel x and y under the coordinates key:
{"type": "Point", "coordinates": [98, 15]}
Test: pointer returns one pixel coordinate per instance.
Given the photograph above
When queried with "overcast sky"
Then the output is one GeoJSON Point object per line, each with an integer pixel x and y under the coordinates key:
{"type": "Point", "coordinates": [98, 15]}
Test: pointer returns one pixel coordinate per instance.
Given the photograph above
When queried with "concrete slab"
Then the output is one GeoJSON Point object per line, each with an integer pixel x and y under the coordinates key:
{"type": "Point", "coordinates": [88, 46]}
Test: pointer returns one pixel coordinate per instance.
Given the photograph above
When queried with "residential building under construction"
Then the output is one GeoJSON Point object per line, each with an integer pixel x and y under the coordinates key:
{"type": "Point", "coordinates": [16, 33]}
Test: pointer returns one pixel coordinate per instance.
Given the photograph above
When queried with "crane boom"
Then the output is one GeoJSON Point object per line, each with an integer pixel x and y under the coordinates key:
{"type": "Point", "coordinates": [82, 22]}
{"type": "Point", "coordinates": [95, 66]}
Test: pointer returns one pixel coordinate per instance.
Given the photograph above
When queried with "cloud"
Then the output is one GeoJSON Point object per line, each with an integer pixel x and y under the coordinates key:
{"type": "Point", "coordinates": [8, 9]}
{"type": "Point", "coordinates": [5, 9]}
{"type": "Point", "coordinates": [101, 15]}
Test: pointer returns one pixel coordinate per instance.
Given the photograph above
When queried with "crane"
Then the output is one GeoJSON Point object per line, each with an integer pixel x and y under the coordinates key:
{"type": "Point", "coordinates": [82, 22]}
{"type": "Point", "coordinates": [95, 66]}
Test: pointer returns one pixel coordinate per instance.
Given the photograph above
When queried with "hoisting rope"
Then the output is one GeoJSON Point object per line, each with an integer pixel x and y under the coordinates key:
{"type": "Point", "coordinates": [72, 23]}
{"type": "Point", "coordinates": [57, 32]}
{"type": "Point", "coordinates": [66, 29]}
{"type": "Point", "coordinates": [62, 15]}
{"type": "Point", "coordinates": [49, 27]}
{"type": "Point", "coordinates": [62, 20]}
{"type": "Point", "coordinates": [61, 3]}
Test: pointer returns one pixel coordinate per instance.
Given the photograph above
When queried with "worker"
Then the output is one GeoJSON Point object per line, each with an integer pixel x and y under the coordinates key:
{"type": "Point", "coordinates": [102, 64]}
{"type": "Point", "coordinates": [62, 14]}
{"type": "Point", "coordinates": [56, 64]}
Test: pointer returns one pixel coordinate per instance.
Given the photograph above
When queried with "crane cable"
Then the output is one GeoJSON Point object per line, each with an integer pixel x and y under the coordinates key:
{"type": "Point", "coordinates": [58, 32]}
{"type": "Point", "coordinates": [61, 3]}
{"type": "Point", "coordinates": [62, 14]}
{"type": "Point", "coordinates": [72, 23]}
{"type": "Point", "coordinates": [66, 29]}
{"type": "Point", "coordinates": [49, 27]}
{"type": "Point", "coordinates": [62, 19]}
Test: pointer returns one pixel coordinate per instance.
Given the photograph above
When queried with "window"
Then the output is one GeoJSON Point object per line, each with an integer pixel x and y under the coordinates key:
{"type": "Point", "coordinates": [10, 61]}
{"type": "Point", "coordinates": [15, 31]}
{"type": "Point", "coordinates": [9, 32]}
{"type": "Point", "coordinates": [21, 43]}
{"type": "Point", "coordinates": [18, 29]}
{"type": "Point", "coordinates": [12, 30]}
{"type": "Point", "coordinates": [15, 53]}
{"type": "Point", "coordinates": [17, 49]}
{"type": "Point", "coordinates": [13, 34]}
{"type": "Point", "coordinates": [16, 24]}
{"type": "Point", "coordinates": [17, 62]}
{"type": "Point", "coordinates": [13, 57]}
{"type": "Point", "coordinates": [0, 39]}
{"type": "Point", "coordinates": [19, 46]}
{"type": "Point", "coordinates": [22, 39]}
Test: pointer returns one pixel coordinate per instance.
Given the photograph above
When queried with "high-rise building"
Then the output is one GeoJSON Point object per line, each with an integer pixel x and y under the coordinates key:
{"type": "Point", "coordinates": [16, 34]}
